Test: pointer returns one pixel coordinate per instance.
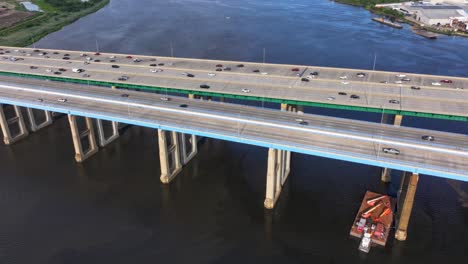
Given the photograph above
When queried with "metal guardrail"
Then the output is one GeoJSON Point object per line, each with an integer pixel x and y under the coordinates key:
{"type": "Point", "coordinates": [242, 97]}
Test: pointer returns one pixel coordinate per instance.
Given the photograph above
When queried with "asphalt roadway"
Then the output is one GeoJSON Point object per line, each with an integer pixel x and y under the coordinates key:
{"type": "Point", "coordinates": [337, 138]}
{"type": "Point", "coordinates": [376, 89]}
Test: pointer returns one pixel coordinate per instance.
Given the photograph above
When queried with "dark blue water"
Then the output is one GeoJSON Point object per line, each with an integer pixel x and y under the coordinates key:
{"type": "Point", "coordinates": [113, 209]}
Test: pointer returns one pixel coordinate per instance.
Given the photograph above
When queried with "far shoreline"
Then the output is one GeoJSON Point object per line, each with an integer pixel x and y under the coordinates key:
{"type": "Point", "coordinates": [36, 27]}
{"type": "Point", "coordinates": [399, 17]}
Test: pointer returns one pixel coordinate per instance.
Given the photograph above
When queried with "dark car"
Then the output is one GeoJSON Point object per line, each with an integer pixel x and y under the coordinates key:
{"type": "Point", "coordinates": [62, 70]}
{"type": "Point", "coordinates": [303, 123]}
{"type": "Point", "coordinates": [204, 86]}
{"type": "Point", "coordinates": [406, 79]}
{"type": "Point", "coordinates": [97, 60]}
{"type": "Point", "coordinates": [240, 65]}
{"type": "Point", "coordinates": [295, 69]}
{"type": "Point", "coordinates": [227, 68]}
{"type": "Point", "coordinates": [219, 69]}
{"type": "Point", "coordinates": [428, 138]}
{"type": "Point", "coordinates": [97, 53]}
{"type": "Point", "coordinates": [415, 87]}
{"type": "Point", "coordinates": [115, 66]}
{"type": "Point", "coordinates": [129, 57]}
{"type": "Point", "coordinates": [124, 95]}
{"type": "Point", "coordinates": [55, 52]}
{"type": "Point", "coordinates": [153, 65]}
{"type": "Point", "coordinates": [57, 72]}
{"type": "Point", "coordinates": [304, 79]}
{"type": "Point", "coordinates": [256, 71]}
{"type": "Point", "coordinates": [32, 67]}
{"type": "Point", "coordinates": [393, 101]}
{"type": "Point", "coordinates": [446, 81]}
{"type": "Point", "coordinates": [314, 73]}
{"type": "Point", "coordinates": [161, 64]}
{"type": "Point", "coordinates": [342, 93]}
{"type": "Point", "coordinates": [183, 105]}
{"type": "Point", "coordinates": [111, 60]}
{"type": "Point", "coordinates": [65, 58]}
{"type": "Point", "coordinates": [353, 96]}
{"type": "Point", "coordinates": [66, 54]}
{"type": "Point", "coordinates": [190, 75]}
{"type": "Point", "coordinates": [219, 65]}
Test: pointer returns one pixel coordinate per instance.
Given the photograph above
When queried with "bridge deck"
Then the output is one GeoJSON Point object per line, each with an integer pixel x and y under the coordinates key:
{"type": "Point", "coordinates": [274, 81]}
{"type": "Point", "coordinates": [336, 138]}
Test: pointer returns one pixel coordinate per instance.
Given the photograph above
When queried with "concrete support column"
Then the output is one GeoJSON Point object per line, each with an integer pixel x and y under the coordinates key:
{"type": "Point", "coordinates": [77, 136]}
{"type": "Point", "coordinates": [397, 119]}
{"type": "Point", "coordinates": [103, 140]}
{"type": "Point", "coordinates": [169, 155]}
{"type": "Point", "coordinates": [188, 147]}
{"type": "Point", "coordinates": [277, 173]}
{"type": "Point", "coordinates": [6, 124]}
{"type": "Point", "coordinates": [279, 162]}
{"type": "Point", "coordinates": [405, 204]}
{"type": "Point", "coordinates": [32, 120]}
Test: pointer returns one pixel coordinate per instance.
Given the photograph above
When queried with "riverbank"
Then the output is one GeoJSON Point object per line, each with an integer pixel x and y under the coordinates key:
{"type": "Point", "coordinates": [399, 17]}
{"type": "Point", "coordinates": [43, 23]}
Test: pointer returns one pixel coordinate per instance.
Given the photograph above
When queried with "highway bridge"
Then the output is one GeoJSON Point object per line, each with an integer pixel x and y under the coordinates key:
{"type": "Point", "coordinates": [52, 81]}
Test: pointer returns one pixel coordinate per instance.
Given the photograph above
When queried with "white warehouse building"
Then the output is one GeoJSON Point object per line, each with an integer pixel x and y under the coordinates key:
{"type": "Point", "coordinates": [439, 14]}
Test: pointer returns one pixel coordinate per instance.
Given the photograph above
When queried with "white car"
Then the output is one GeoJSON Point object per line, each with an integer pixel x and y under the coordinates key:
{"type": "Point", "coordinates": [398, 82]}
{"type": "Point", "coordinates": [391, 151]}
{"type": "Point", "coordinates": [400, 75]}
{"type": "Point", "coordinates": [211, 74]}
{"type": "Point", "coordinates": [245, 90]}
{"type": "Point", "coordinates": [344, 77]}
{"type": "Point", "coordinates": [345, 82]}
{"type": "Point", "coordinates": [165, 98]}
{"type": "Point", "coordinates": [331, 98]}
{"type": "Point", "coordinates": [112, 57]}
{"type": "Point", "coordinates": [62, 100]}
{"type": "Point", "coordinates": [48, 70]}
{"type": "Point", "coordinates": [156, 70]}
{"type": "Point", "coordinates": [436, 84]}
{"type": "Point", "coordinates": [77, 70]}
{"type": "Point", "coordinates": [264, 73]}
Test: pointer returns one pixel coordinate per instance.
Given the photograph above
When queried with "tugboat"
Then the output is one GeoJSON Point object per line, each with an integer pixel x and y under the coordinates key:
{"type": "Point", "coordinates": [366, 241]}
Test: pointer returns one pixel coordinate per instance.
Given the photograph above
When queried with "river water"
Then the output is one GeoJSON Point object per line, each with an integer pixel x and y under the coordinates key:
{"type": "Point", "coordinates": [113, 209]}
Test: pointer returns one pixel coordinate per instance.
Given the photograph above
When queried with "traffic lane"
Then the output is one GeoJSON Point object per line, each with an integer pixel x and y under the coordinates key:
{"type": "Point", "coordinates": [143, 114]}
{"type": "Point", "coordinates": [240, 115]}
{"type": "Point", "coordinates": [341, 124]}
{"type": "Point", "coordinates": [132, 66]}
{"type": "Point", "coordinates": [267, 80]}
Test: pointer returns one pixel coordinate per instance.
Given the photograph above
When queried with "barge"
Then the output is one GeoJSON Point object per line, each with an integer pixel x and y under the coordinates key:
{"type": "Point", "coordinates": [425, 33]}
{"type": "Point", "coordinates": [373, 220]}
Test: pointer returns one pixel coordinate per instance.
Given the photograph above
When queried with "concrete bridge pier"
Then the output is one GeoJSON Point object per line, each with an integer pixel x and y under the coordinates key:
{"type": "Point", "coordinates": [174, 152]}
{"type": "Point", "coordinates": [87, 135]}
{"type": "Point", "coordinates": [386, 118]}
{"type": "Point", "coordinates": [277, 174]}
{"type": "Point", "coordinates": [33, 122]}
{"type": "Point", "coordinates": [169, 155]}
{"type": "Point", "coordinates": [103, 140]}
{"type": "Point", "coordinates": [6, 125]}
{"type": "Point", "coordinates": [279, 163]}
{"type": "Point", "coordinates": [406, 195]}
{"type": "Point", "coordinates": [188, 147]}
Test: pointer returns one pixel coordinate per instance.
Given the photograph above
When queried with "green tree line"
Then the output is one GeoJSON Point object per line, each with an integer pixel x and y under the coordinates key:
{"type": "Point", "coordinates": [71, 5]}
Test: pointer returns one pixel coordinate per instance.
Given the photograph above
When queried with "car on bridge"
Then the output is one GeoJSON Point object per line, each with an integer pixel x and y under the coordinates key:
{"type": "Point", "coordinates": [446, 81]}
{"type": "Point", "coordinates": [393, 101]}
{"type": "Point", "coordinates": [428, 138]}
{"type": "Point", "coordinates": [391, 151]}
